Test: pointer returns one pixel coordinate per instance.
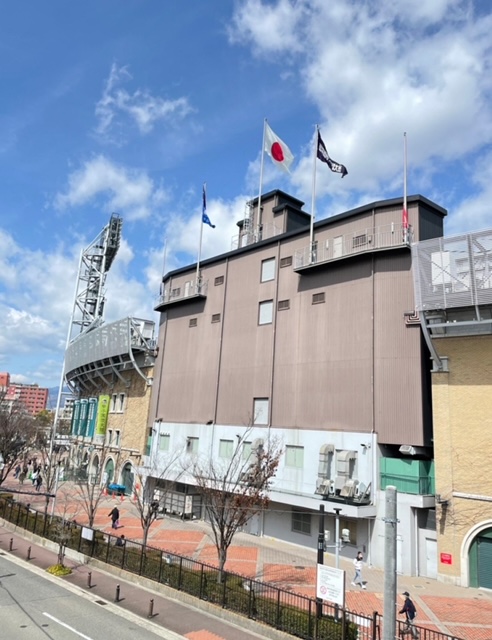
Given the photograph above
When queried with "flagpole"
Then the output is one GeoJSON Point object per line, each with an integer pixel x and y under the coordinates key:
{"type": "Point", "coordinates": [261, 176]}
{"type": "Point", "coordinates": [313, 198]}
{"type": "Point", "coordinates": [197, 284]}
{"type": "Point", "coordinates": [163, 266]}
{"type": "Point", "coordinates": [405, 210]}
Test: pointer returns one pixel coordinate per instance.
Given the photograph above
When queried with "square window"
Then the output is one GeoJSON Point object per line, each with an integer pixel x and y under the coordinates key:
{"type": "Point", "coordinates": [193, 322]}
{"type": "Point", "coordinates": [219, 280]}
{"type": "Point", "coordinates": [164, 441]}
{"type": "Point", "coordinates": [246, 453]}
{"type": "Point", "coordinates": [261, 408]}
{"type": "Point", "coordinates": [294, 456]}
{"type": "Point", "coordinates": [191, 445]}
{"type": "Point", "coordinates": [301, 522]}
{"type": "Point", "coordinates": [226, 449]}
{"type": "Point", "coordinates": [216, 317]}
{"type": "Point", "coordinates": [318, 298]}
{"type": "Point", "coordinates": [265, 315]}
{"type": "Point", "coordinates": [268, 270]}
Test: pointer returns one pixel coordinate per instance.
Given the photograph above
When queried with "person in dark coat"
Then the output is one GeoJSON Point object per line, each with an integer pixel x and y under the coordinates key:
{"type": "Point", "coordinates": [410, 612]}
{"type": "Point", "coordinates": [114, 514]}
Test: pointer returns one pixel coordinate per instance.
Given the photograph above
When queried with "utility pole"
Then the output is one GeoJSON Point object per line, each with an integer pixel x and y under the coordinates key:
{"type": "Point", "coordinates": [390, 520]}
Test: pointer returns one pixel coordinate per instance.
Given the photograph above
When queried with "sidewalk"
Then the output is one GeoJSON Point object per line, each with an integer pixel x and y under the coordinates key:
{"type": "Point", "coordinates": [460, 612]}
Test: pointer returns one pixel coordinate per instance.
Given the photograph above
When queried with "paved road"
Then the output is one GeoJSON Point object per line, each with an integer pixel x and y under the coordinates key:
{"type": "Point", "coordinates": [35, 606]}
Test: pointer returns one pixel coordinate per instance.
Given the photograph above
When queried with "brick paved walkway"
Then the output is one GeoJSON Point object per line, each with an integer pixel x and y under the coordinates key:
{"type": "Point", "coordinates": [465, 613]}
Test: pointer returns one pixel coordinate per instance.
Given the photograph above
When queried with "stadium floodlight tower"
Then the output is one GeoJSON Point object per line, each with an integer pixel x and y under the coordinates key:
{"type": "Point", "coordinates": [88, 307]}
{"type": "Point", "coordinates": [95, 262]}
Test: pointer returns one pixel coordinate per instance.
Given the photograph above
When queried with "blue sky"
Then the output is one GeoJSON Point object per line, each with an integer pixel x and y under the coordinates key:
{"type": "Point", "coordinates": [129, 106]}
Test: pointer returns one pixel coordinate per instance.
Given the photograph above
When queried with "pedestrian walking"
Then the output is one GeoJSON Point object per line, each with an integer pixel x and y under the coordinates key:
{"type": "Point", "coordinates": [18, 469]}
{"type": "Point", "coordinates": [114, 514]}
{"type": "Point", "coordinates": [410, 613]}
{"type": "Point", "coordinates": [358, 564]}
{"type": "Point", "coordinates": [39, 482]}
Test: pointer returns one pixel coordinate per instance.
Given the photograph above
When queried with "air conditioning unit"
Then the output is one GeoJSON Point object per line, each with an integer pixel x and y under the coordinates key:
{"type": "Point", "coordinates": [323, 487]}
{"type": "Point", "coordinates": [348, 489]}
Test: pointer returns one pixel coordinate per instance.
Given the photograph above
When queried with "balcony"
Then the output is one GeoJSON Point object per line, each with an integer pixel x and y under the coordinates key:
{"type": "Point", "coordinates": [368, 240]}
{"type": "Point", "coordinates": [408, 476]}
{"type": "Point", "coordinates": [189, 292]}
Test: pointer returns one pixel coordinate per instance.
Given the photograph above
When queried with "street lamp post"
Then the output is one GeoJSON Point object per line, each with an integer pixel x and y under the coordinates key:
{"type": "Point", "coordinates": [321, 552]}
{"type": "Point", "coordinates": [337, 537]}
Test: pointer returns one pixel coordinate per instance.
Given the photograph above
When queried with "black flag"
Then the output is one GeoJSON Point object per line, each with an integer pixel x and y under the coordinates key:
{"type": "Point", "coordinates": [322, 154]}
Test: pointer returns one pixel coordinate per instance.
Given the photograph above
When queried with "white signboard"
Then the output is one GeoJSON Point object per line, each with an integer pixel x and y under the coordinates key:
{"type": "Point", "coordinates": [87, 534]}
{"type": "Point", "coordinates": [330, 584]}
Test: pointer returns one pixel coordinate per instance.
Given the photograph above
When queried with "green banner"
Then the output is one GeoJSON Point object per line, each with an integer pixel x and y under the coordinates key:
{"type": "Point", "coordinates": [84, 410]}
{"type": "Point", "coordinates": [91, 418]}
{"type": "Point", "coordinates": [102, 415]}
{"type": "Point", "coordinates": [75, 417]}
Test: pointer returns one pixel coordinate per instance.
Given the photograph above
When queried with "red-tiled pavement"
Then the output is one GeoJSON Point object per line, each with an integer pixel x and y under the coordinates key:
{"type": "Point", "coordinates": [464, 613]}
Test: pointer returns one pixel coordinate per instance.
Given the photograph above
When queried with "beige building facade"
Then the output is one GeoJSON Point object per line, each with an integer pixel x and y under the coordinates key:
{"type": "Point", "coordinates": [454, 299]}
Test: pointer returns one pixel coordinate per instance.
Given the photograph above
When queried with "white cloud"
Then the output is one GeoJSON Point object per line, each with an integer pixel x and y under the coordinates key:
{"type": "Point", "coordinates": [374, 70]}
{"type": "Point", "coordinates": [141, 106]}
{"type": "Point", "coordinates": [130, 192]}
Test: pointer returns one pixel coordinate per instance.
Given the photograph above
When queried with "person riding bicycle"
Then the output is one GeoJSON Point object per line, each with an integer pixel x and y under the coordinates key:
{"type": "Point", "coordinates": [410, 612]}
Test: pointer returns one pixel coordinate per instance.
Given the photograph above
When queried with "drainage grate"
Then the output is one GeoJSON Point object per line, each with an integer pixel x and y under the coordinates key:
{"type": "Point", "coordinates": [101, 602]}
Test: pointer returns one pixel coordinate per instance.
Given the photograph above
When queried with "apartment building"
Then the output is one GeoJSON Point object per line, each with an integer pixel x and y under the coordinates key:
{"type": "Point", "coordinates": [32, 397]}
{"type": "Point", "coordinates": [453, 285]}
{"type": "Point", "coordinates": [307, 333]}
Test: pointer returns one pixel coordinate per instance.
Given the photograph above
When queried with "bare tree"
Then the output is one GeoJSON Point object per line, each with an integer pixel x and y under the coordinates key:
{"type": "Point", "coordinates": [90, 489]}
{"type": "Point", "coordinates": [233, 491]}
{"type": "Point", "coordinates": [17, 433]}
{"type": "Point", "coordinates": [165, 471]}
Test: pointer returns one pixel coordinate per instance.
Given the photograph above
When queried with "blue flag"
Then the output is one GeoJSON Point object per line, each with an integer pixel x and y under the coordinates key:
{"type": "Point", "coordinates": [205, 218]}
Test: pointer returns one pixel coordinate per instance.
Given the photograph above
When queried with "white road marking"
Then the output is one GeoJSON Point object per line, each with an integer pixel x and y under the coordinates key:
{"type": "Point", "coordinates": [67, 626]}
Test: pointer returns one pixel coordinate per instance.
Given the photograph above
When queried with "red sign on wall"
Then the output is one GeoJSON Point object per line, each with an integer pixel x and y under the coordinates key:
{"type": "Point", "coordinates": [446, 558]}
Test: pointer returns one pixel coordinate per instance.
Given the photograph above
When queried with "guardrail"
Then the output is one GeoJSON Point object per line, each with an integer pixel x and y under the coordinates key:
{"type": "Point", "coordinates": [293, 613]}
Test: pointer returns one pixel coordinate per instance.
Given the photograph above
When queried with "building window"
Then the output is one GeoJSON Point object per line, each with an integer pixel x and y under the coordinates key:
{"type": "Point", "coordinates": [121, 403]}
{"type": "Point", "coordinates": [294, 456]}
{"type": "Point", "coordinates": [261, 407]}
{"type": "Point", "coordinates": [283, 305]}
{"type": "Point", "coordinates": [246, 453]}
{"type": "Point", "coordinates": [216, 317]}
{"type": "Point", "coordinates": [109, 437]}
{"type": "Point", "coordinates": [175, 293]}
{"type": "Point", "coordinates": [193, 322]}
{"type": "Point", "coordinates": [265, 315]}
{"type": "Point", "coordinates": [113, 403]}
{"type": "Point", "coordinates": [318, 298]}
{"type": "Point", "coordinates": [117, 435]}
{"type": "Point", "coordinates": [226, 449]}
{"type": "Point", "coordinates": [268, 270]}
{"type": "Point", "coordinates": [219, 280]}
{"type": "Point", "coordinates": [164, 441]}
{"type": "Point", "coordinates": [301, 522]}
{"type": "Point", "coordinates": [286, 262]}
{"type": "Point", "coordinates": [191, 445]}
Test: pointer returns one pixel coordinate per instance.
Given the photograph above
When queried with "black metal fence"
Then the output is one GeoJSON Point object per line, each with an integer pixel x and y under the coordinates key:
{"type": "Point", "coordinates": [290, 612]}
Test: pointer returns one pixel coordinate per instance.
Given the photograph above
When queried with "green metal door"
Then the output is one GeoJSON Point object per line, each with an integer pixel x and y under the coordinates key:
{"type": "Point", "coordinates": [485, 562]}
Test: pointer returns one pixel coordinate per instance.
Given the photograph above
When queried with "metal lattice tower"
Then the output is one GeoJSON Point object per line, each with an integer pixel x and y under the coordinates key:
{"type": "Point", "coordinates": [95, 262]}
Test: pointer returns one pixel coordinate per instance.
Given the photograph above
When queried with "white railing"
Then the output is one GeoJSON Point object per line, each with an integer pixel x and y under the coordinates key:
{"type": "Point", "coordinates": [181, 292]}
{"type": "Point", "coordinates": [253, 235]}
{"type": "Point", "coordinates": [353, 243]}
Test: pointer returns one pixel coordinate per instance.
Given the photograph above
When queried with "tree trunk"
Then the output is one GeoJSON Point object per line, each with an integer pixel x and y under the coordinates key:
{"type": "Point", "coordinates": [222, 561]}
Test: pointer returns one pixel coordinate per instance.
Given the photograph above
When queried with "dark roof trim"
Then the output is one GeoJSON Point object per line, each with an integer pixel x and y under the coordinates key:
{"type": "Point", "coordinates": [380, 204]}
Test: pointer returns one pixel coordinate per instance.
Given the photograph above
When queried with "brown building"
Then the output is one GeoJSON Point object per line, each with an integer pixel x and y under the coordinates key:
{"type": "Point", "coordinates": [316, 344]}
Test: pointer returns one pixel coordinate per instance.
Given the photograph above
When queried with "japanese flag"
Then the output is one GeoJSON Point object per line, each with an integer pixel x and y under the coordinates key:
{"type": "Point", "coordinates": [278, 151]}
